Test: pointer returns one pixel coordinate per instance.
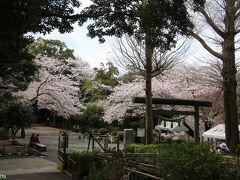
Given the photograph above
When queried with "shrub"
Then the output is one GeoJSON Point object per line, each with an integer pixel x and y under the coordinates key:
{"type": "Point", "coordinates": [136, 124]}
{"type": "Point", "coordinates": [191, 161]}
{"type": "Point", "coordinates": [108, 172]}
{"type": "Point", "coordinates": [84, 161]}
{"type": "Point", "coordinates": [78, 156]}
{"type": "Point", "coordinates": [141, 148]}
{"type": "Point", "coordinates": [103, 131]}
{"type": "Point", "coordinates": [92, 92]}
{"type": "Point", "coordinates": [91, 116]}
{"type": "Point", "coordinates": [114, 133]}
{"type": "Point", "coordinates": [94, 130]}
{"type": "Point", "coordinates": [17, 116]}
{"type": "Point", "coordinates": [120, 135]}
{"type": "Point", "coordinates": [4, 133]}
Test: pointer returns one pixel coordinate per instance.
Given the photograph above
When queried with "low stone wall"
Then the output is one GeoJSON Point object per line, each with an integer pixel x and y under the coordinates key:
{"type": "Point", "coordinates": [12, 149]}
{"type": "Point", "coordinates": [7, 148]}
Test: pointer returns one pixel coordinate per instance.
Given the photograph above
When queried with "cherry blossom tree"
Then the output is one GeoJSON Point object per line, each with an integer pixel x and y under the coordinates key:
{"type": "Point", "coordinates": [56, 86]}
{"type": "Point", "coordinates": [176, 83]}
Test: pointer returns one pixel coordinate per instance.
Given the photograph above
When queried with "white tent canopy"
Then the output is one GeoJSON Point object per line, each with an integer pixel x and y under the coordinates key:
{"type": "Point", "coordinates": [218, 132]}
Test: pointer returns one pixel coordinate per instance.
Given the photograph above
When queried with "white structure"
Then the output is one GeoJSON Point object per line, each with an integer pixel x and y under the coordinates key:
{"type": "Point", "coordinates": [216, 134]}
{"type": "Point", "coordinates": [170, 126]}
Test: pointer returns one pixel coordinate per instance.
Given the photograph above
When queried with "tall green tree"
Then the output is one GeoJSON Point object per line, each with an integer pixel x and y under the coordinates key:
{"type": "Point", "coordinates": [107, 75]}
{"type": "Point", "coordinates": [51, 48]}
{"type": "Point", "coordinates": [20, 17]}
{"type": "Point", "coordinates": [154, 22]}
{"type": "Point", "coordinates": [98, 88]}
{"type": "Point", "coordinates": [13, 114]}
{"type": "Point", "coordinates": [222, 20]}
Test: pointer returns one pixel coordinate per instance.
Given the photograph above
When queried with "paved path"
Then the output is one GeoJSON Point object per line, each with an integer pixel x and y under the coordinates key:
{"type": "Point", "coordinates": [49, 137]}
{"type": "Point", "coordinates": [35, 168]}
{"type": "Point", "coordinates": [39, 176]}
{"type": "Point", "coordinates": [31, 168]}
{"type": "Point", "coordinates": [41, 168]}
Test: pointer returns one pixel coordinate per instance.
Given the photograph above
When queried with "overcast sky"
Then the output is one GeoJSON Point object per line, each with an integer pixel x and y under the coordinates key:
{"type": "Point", "coordinates": [84, 47]}
{"type": "Point", "coordinates": [93, 52]}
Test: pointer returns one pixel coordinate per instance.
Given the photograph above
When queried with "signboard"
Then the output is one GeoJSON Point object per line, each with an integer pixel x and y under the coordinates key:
{"type": "Point", "coordinates": [128, 136]}
{"type": "Point", "coordinates": [140, 132]}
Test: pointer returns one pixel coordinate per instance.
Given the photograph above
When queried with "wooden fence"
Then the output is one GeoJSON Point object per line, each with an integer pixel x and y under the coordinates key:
{"type": "Point", "coordinates": [132, 166]}
{"type": "Point", "coordinates": [140, 164]}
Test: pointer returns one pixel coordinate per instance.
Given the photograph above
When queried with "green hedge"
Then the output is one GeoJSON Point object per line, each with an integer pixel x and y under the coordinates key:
{"type": "Point", "coordinates": [141, 148]}
{"type": "Point", "coordinates": [193, 161]}
{"type": "Point", "coordinates": [187, 161]}
{"type": "Point", "coordinates": [84, 161]}
{"type": "Point", "coordinates": [120, 135]}
{"type": "Point", "coordinates": [103, 131]}
{"type": "Point", "coordinates": [150, 148]}
{"type": "Point", "coordinates": [106, 172]}
{"type": "Point", "coordinates": [114, 133]}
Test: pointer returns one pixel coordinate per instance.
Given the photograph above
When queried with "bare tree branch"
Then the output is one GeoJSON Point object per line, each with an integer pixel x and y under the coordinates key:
{"type": "Point", "coordinates": [210, 21]}
{"type": "Point", "coordinates": [208, 48]}
{"type": "Point", "coordinates": [38, 89]}
{"type": "Point", "coordinates": [130, 54]}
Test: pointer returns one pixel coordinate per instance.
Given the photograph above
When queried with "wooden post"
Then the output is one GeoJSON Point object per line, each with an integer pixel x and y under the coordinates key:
{"type": "Point", "coordinates": [64, 146]}
{"type": "Point", "coordinates": [59, 140]}
{"type": "Point", "coordinates": [118, 144]}
{"type": "Point", "coordinates": [89, 141]}
{"type": "Point", "coordinates": [92, 144]}
{"type": "Point", "coordinates": [196, 124]}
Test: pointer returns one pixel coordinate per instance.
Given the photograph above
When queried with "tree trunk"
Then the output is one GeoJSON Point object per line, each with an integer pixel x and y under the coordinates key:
{"type": "Point", "coordinates": [148, 91]}
{"type": "Point", "coordinates": [230, 104]}
{"type": "Point", "coordinates": [13, 133]}
{"type": "Point", "coordinates": [207, 125]}
{"type": "Point", "coordinates": [229, 80]}
{"type": "Point", "coordinates": [22, 132]}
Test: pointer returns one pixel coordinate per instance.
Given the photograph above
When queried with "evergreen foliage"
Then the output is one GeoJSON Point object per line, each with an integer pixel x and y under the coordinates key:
{"type": "Point", "coordinates": [107, 75]}
{"type": "Point", "coordinates": [90, 117]}
{"type": "Point", "coordinates": [51, 48]}
{"type": "Point", "coordinates": [103, 131]}
{"type": "Point", "coordinates": [107, 172]}
{"type": "Point", "coordinates": [193, 161]}
{"type": "Point", "coordinates": [162, 19]}
{"type": "Point", "coordinates": [91, 91]}
{"type": "Point", "coordinates": [16, 116]}
{"type": "Point", "coordinates": [101, 86]}
{"type": "Point", "coordinates": [84, 161]}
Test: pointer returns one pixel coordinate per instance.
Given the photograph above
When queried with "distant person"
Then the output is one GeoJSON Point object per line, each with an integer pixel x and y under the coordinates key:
{"type": "Point", "coordinates": [35, 139]}
{"type": "Point", "coordinates": [223, 149]}
{"type": "Point", "coordinates": [32, 137]}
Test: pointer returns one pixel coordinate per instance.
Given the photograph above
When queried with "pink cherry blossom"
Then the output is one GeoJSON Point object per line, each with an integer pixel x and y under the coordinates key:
{"type": "Point", "coordinates": [176, 83]}
{"type": "Point", "coordinates": [56, 86]}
